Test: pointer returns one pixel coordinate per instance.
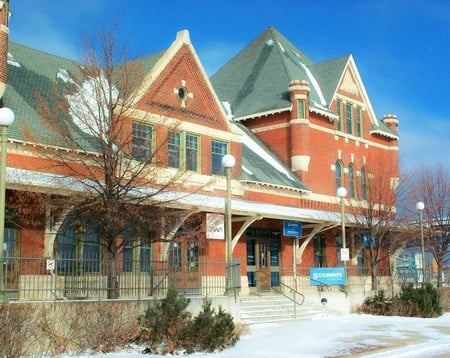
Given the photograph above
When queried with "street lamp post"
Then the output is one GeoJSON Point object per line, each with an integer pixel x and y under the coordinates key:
{"type": "Point", "coordinates": [228, 162]}
{"type": "Point", "coordinates": [420, 206]}
{"type": "Point", "coordinates": [6, 119]}
{"type": "Point", "coordinates": [341, 193]}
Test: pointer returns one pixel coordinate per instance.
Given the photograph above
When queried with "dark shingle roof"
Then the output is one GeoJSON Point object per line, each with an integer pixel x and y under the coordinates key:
{"type": "Point", "coordinates": [34, 74]}
{"type": "Point", "coordinates": [257, 79]}
{"type": "Point", "coordinates": [328, 74]}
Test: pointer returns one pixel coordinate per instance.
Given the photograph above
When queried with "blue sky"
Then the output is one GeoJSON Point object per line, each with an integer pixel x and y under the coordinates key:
{"type": "Point", "coordinates": [401, 47]}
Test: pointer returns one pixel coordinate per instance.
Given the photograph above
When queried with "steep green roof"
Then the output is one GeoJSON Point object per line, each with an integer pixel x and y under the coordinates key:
{"type": "Point", "coordinates": [328, 73]}
{"type": "Point", "coordinates": [33, 78]}
{"type": "Point", "coordinates": [256, 80]}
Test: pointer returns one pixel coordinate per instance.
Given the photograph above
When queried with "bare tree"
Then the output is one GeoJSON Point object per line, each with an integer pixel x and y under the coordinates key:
{"type": "Point", "coordinates": [115, 179]}
{"type": "Point", "coordinates": [377, 230]}
{"type": "Point", "coordinates": [431, 185]}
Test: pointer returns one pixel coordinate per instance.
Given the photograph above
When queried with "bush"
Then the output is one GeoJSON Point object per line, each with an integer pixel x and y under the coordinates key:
{"type": "Point", "coordinates": [377, 305]}
{"type": "Point", "coordinates": [13, 329]}
{"type": "Point", "coordinates": [166, 327]}
{"type": "Point", "coordinates": [211, 331]}
{"type": "Point", "coordinates": [164, 322]}
{"type": "Point", "coordinates": [423, 301]}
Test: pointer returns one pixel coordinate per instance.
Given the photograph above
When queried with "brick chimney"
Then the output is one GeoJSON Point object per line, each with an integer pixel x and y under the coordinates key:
{"type": "Point", "coordinates": [4, 31]}
{"type": "Point", "coordinates": [299, 127]}
{"type": "Point", "coordinates": [391, 122]}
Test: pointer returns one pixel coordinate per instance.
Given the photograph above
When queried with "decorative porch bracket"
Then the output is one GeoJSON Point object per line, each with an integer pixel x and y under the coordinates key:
{"type": "Point", "coordinates": [247, 222]}
{"type": "Point", "coordinates": [317, 228]}
{"type": "Point", "coordinates": [52, 226]}
{"type": "Point", "coordinates": [166, 238]}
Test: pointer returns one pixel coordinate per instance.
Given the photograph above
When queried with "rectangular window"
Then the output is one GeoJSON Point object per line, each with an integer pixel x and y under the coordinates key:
{"type": "Point", "coordinates": [145, 256]}
{"type": "Point", "coordinates": [136, 257]}
{"type": "Point", "coordinates": [349, 118]}
{"type": "Point", "coordinates": [301, 113]}
{"type": "Point", "coordinates": [192, 152]}
{"type": "Point", "coordinates": [9, 243]}
{"type": "Point", "coordinates": [218, 150]}
{"type": "Point", "coordinates": [319, 251]}
{"type": "Point", "coordinates": [339, 112]}
{"type": "Point", "coordinates": [127, 254]}
{"type": "Point", "coordinates": [91, 252]}
{"type": "Point", "coordinates": [359, 122]}
{"type": "Point", "coordinates": [141, 144]}
{"type": "Point", "coordinates": [174, 147]}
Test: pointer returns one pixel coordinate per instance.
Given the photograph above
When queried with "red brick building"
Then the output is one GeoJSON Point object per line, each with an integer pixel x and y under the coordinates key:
{"type": "Point", "coordinates": [297, 129]}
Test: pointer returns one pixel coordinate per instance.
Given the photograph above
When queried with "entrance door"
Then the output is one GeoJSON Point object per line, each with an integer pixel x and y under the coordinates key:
{"type": "Point", "coordinates": [184, 268]}
{"type": "Point", "coordinates": [263, 263]}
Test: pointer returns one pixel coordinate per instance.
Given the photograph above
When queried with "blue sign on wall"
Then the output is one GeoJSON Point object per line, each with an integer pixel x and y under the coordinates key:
{"type": "Point", "coordinates": [327, 276]}
{"type": "Point", "coordinates": [292, 228]}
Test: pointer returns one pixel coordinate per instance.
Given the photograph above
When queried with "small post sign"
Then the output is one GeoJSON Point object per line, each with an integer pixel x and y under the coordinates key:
{"type": "Point", "coordinates": [345, 254]}
{"type": "Point", "coordinates": [292, 228]}
{"type": "Point", "coordinates": [50, 265]}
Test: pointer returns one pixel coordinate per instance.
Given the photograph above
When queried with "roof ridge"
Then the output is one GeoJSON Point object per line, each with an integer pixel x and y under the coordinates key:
{"type": "Point", "coordinates": [280, 50]}
{"type": "Point", "coordinates": [28, 48]}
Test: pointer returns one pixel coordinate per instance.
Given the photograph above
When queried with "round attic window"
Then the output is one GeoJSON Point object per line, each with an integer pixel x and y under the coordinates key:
{"type": "Point", "coordinates": [182, 93]}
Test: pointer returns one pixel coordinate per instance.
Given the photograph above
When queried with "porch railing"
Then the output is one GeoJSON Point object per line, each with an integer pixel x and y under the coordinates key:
{"type": "Point", "coordinates": [29, 278]}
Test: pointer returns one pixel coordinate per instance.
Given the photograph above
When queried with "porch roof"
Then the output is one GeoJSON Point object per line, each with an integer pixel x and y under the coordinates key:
{"type": "Point", "coordinates": [201, 202]}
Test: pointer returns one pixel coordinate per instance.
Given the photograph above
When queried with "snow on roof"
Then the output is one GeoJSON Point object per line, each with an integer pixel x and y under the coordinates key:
{"type": "Point", "coordinates": [315, 84]}
{"type": "Point", "coordinates": [64, 76]}
{"type": "Point", "coordinates": [248, 171]}
{"type": "Point", "coordinates": [89, 107]}
{"type": "Point", "coordinates": [12, 61]}
{"type": "Point", "coordinates": [263, 153]}
{"type": "Point", "coordinates": [207, 203]}
{"type": "Point", "coordinates": [281, 46]}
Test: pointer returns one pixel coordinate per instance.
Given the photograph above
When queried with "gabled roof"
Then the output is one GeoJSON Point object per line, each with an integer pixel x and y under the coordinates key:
{"type": "Point", "coordinates": [260, 165]}
{"type": "Point", "coordinates": [257, 79]}
{"type": "Point", "coordinates": [328, 74]}
{"type": "Point", "coordinates": [32, 74]}
{"type": "Point", "coordinates": [255, 82]}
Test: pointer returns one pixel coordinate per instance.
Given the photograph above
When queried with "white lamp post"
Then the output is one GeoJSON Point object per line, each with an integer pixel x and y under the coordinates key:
{"type": "Point", "coordinates": [420, 206]}
{"type": "Point", "coordinates": [341, 193]}
{"type": "Point", "coordinates": [228, 162]}
{"type": "Point", "coordinates": [6, 119]}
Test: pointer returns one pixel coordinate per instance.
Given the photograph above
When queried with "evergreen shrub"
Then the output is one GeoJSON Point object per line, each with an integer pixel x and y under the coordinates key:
{"type": "Point", "coordinates": [167, 327]}
{"type": "Point", "coordinates": [424, 301]}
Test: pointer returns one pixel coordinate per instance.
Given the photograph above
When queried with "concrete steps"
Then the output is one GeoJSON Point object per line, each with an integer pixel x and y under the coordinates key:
{"type": "Point", "coordinates": [275, 308]}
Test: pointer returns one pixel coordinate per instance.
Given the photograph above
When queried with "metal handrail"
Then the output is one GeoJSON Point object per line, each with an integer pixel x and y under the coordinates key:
{"type": "Point", "coordinates": [321, 285]}
{"type": "Point", "coordinates": [292, 289]}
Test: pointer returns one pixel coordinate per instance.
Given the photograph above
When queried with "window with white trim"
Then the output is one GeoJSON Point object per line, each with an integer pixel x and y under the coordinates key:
{"type": "Point", "coordinates": [218, 150]}
{"type": "Point", "coordinates": [141, 143]}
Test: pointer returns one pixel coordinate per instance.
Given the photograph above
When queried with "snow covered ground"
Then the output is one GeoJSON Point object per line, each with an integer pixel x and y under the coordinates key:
{"type": "Point", "coordinates": [352, 335]}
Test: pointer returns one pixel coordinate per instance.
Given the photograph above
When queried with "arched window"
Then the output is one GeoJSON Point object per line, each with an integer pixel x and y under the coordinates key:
{"type": "Point", "coordinates": [339, 174]}
{"type": "Point", "coordinates": [79, 246]}
{"type": "Point", "coordinates": [363, 184]}
{"type": "Point", "coordinates": [351, 181]}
